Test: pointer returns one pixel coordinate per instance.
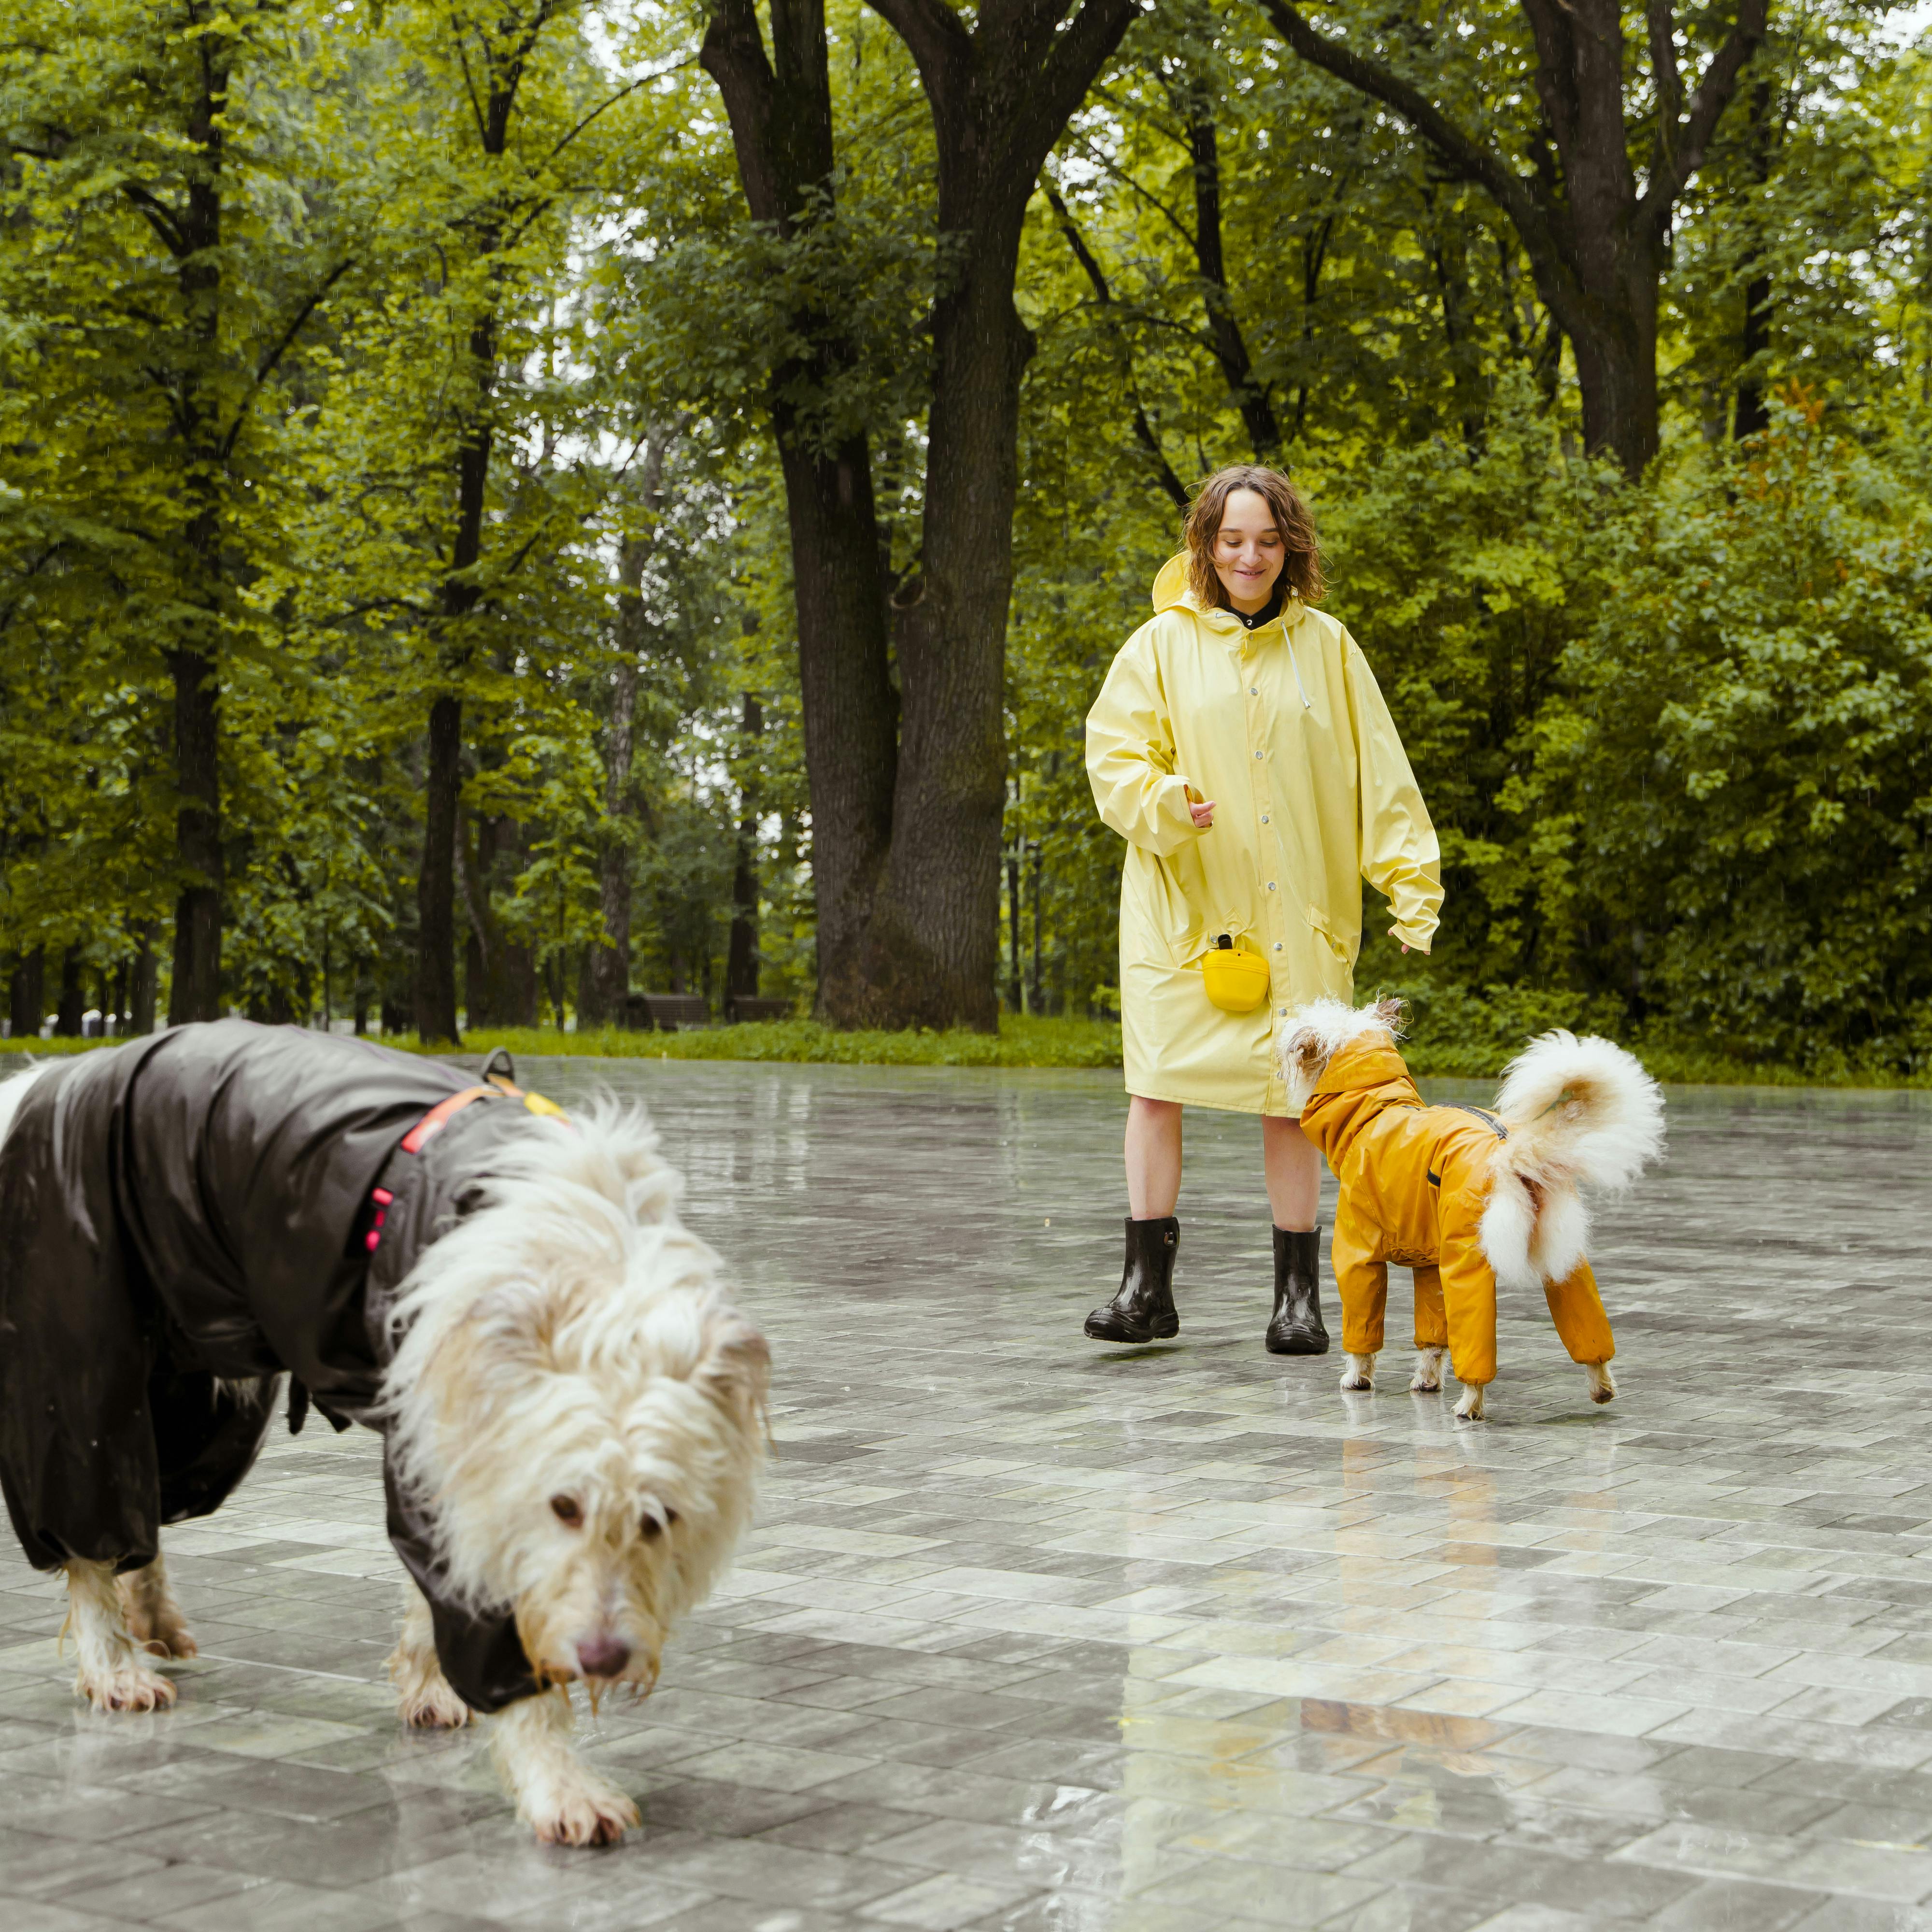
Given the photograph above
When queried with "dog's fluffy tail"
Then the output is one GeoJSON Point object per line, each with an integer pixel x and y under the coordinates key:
{"type": "Point", "coordinates": [1578, 1112]}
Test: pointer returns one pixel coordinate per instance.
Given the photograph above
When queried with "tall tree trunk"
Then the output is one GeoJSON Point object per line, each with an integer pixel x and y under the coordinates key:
{"type": "Point", "coordinates": [849, 712]}
{"type": "Point", "coordinates": [1225, 337]}
{"type": "Point", "coordinates": [67, 1006]}
{"type": "Point", "coordinates": [741, 959]}
{"type": "Point", "coordinates": [195, 991]}
{"type": "Point", "coordinates": [141, 981]}
{"type": "Point", "coordinates": [932, 956]}
{"type": "Point", "coordinates": [603, 979]}
{"type": "Point", "coordinates": [906, 852]}
{"type": "Point", "coordinates": [1752, 414]}
{"type": "Point", "coordinates": [436, 878]}
{"type": "Point", "coordinates": [603, 982]}
{"type": "Point", "coordinates": [1447, 245]}
{"type": "Point", "coordinates": [1596, 244]}
{"type": "Point", "coordinates": [1000, 97]}
{"type": "Point", "coordinates": [504, 52]}
{"type": "Point", "coordinates": [27, 995]}
{"type": "Point", "coordinates": [780, 109]}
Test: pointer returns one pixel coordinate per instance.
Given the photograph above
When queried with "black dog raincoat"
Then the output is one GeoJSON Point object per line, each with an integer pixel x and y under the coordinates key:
{"type": "Point", "coordinates": [185, 1217]}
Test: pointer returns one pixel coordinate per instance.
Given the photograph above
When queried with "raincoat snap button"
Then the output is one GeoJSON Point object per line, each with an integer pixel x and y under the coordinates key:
{"type": "Point", "coordinates": [1254, 691]}
{"type": "Point", "coordinates": [1264, 818]}
{"type": "Point", "coordinates": [1270, 885]}
{"type": "Point", "coordinates": [1258, 754]}
{"type": "Point", "coordinates": [1277, 945]}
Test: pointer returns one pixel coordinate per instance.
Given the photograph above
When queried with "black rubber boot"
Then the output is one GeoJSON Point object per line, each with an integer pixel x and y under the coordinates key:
{"type": "Point", "coordinates": [1143, 1310]}
{"type": "Point", "coordinates": [1297, 1329]}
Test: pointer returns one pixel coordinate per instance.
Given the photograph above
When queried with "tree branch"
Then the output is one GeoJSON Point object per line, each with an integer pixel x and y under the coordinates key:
{"type": "Point", "coordinates": [1707, 105]}
{"type": "Point", "coordinates": [1466, 157]}
{"type": "Point", "coordinates": [1075, 55]}
{"type": "Point", "coordinates": [272, 360]}
{"type": "Point", "coordinates": [1143, 430]}
{"type": "Point", "coordinates": [161, 218]}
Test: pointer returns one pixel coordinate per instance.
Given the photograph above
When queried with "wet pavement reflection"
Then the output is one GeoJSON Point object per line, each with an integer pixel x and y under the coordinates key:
{"type": "Point", "coordinates": [1036, 1632]}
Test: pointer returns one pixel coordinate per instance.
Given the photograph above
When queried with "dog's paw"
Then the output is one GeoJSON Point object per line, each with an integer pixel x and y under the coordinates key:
{"type": "Point", "coordinates": [1470, 1408]}
{"type": "Point", "coordinates": [161, 1632]}
{"type": "Point", "coordinates": [1427, 1378]}
{"type": "Point", "coordinates": [154, 1620]}
{"type": "Point", "coordinates": [432, 1705]}
{"type": "Point", "coordinates": [1603, 1384]}
{"type": "Point", "coordinates": [582, 1810]}
{"type": "Point", "coordinates": [125, 1687]}
{"type": "Point", "coordinates": [1360, 1374]}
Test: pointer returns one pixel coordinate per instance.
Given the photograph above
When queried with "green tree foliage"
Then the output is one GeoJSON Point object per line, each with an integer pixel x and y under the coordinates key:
{"type": "Point", "coordinates": [362, 366]}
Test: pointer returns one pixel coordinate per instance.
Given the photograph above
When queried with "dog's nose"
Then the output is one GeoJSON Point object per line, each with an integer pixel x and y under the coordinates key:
{"type": "Point", "coordinates": [602, 1656]}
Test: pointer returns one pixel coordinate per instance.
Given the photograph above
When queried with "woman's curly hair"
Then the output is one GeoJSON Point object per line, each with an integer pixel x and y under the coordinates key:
{"type": "Point", "coordinates": [1301, 562]}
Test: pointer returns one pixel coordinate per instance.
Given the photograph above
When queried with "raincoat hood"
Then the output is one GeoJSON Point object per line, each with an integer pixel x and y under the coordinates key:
{"type": "Point", "coordinates": [1172, 592]}
{"type": "Point", "coordinates": [1363, 1079]}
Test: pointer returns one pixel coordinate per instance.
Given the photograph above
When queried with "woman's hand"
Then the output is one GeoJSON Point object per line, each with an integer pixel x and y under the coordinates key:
{"type": "Point", "coordinates": [1203, 813]}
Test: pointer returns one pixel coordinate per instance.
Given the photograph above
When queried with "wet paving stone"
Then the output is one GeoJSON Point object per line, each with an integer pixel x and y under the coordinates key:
{"type": "Point", "coordinates": [1036, 1634]}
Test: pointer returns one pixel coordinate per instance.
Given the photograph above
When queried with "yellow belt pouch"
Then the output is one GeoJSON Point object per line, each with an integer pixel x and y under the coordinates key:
{"type": "Point", "coordinates": [1236, 979]}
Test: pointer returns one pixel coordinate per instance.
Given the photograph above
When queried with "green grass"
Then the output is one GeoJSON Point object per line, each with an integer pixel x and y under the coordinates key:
{"type": "Point", "coordinates": [1439, 1050]}
{"type": "Point", "coordinates": [1019, 1042]}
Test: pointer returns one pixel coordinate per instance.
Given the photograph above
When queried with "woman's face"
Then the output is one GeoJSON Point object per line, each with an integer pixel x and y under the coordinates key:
{"type": "Point", "coordinates": [1248, 552]}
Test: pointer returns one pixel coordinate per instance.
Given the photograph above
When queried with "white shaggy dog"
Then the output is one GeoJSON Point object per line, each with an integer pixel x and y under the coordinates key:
{"type": "Point", "coordinates": [1467, 1198]}
{"type": "Point", "coordinates": [580, 1412]}
{"type": "Point", "coordinates": [575, 1417]}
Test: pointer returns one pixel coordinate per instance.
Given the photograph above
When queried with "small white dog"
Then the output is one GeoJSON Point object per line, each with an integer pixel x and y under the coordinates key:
{"type": "Point", "coordinates": [1467, 1197]}
{"type": "Point", "coordinates": [574, 1413]}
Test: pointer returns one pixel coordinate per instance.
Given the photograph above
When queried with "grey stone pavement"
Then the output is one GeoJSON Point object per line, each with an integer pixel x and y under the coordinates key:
{"type": "Point", "coordinates": [1036, 1634]}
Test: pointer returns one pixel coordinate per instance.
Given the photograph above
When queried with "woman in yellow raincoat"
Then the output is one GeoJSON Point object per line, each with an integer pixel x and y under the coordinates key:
{"type": "Point", "coordinates": [1242, 749]}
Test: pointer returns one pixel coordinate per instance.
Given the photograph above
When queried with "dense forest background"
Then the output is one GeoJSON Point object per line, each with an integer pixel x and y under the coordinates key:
{"type": "Point", "coordinates": [505, 504]}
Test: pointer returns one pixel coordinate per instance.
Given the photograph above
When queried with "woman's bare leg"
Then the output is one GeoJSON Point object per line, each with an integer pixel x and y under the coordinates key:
{"type": "Point", "coordinates": [1293, 1170]}
{"type": "Point", "coordinates": [1154, 1158]}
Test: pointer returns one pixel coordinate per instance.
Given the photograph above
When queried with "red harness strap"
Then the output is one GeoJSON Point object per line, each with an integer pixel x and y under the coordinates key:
{"type": "Point", "coordinates": [433, 1123]}
{"type": "Point", "coordinates": [438, 1117]}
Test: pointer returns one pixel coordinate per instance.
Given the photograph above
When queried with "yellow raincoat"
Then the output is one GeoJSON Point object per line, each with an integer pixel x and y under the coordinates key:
{"type": "Point", "coordinates": [1284, 728]}
{"type": "Point", "coordinates": [1415, 1180]}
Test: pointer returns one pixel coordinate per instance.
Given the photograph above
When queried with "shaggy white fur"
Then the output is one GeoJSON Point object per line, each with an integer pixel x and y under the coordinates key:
{"type": "Point", "coordinates": [112, 1675]}
{"type": "Point", "coordinates": [1319, 1030]}
{"type": "Point", "coordinates": [1578, 1111]}
{"type": "Point", "coordinates": [579, 1413]}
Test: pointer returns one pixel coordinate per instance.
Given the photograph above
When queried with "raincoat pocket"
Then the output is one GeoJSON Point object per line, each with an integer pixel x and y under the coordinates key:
{"type": "Point", "coordinates": [1176, 891]}
{"type": "Point", "coordinates": [1324, 931]}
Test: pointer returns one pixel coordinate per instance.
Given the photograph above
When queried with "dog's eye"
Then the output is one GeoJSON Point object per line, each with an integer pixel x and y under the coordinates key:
{"type": "Point", "coordinates": [567, 1509]}
{"type": "Point", "coordinates": [651, 1525]}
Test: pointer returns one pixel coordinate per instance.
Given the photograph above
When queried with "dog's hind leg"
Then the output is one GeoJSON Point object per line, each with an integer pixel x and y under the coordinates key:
{"type": "Point", "coordinates": [154, 1615]}
{"type": "Point", "coordinates": [1603, 1384]}
{"type": "Point", "coordinates": [423, 1698]}
{"type": "Point", "coordinates": [1360, 1372]}
{"type": "Point", "coordinates": [1470, 1408]}
{"type": "Point", "coordinates": [1428, 1376]}
{"type": "Point", "coordinates": [557, 1794]}
{"type": "Point", "coordinates": [113, 1675]}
